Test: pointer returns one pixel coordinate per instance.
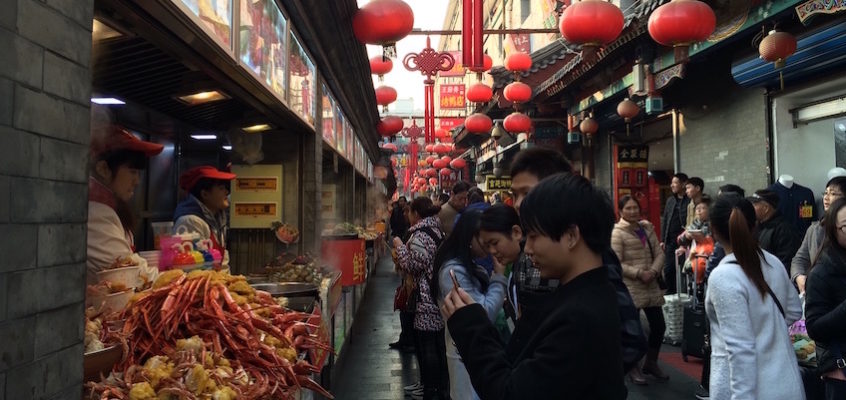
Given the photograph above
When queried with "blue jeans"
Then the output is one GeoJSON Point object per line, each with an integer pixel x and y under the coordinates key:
{"type": "Point", "coordinates": [460, 387]}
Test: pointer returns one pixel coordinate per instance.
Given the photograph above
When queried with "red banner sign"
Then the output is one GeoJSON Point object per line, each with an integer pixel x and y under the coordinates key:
{"type": "Point", "coordinates": [452, 97]}
{"type": "Point", "coordinates": [457, 69]}
{"type": "Point", "coordinates": [450, 123]}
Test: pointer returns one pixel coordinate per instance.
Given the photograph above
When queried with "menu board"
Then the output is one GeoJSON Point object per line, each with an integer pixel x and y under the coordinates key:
{"type": "Point", "coordinates": [216, 17]}
{"type": "Point", "coordinates": [301, 90]}
{"type": "Point", "coordinates": [328, 117]}
{"type": "Point", "coordinates": [263, 36]}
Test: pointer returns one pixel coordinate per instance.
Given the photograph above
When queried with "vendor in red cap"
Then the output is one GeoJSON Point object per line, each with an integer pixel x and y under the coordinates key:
{"type": "Point", "coordinates": [117, 159]}
{"type": "Point", "coordinates": [204, 211]}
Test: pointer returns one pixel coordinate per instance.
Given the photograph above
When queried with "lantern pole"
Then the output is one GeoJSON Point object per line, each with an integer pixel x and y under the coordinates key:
{"type": "Point", "coordinates": [429, 62]}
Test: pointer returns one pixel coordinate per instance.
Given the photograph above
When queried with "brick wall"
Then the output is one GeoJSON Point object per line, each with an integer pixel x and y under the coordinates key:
{"type": "Point", "coordinates": [44, 133]}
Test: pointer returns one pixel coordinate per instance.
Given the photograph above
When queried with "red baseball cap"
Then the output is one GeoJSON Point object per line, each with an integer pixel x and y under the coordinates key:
{"type": "Point", "coordinates": [190, 177]}
{"type": "Point", "coordinates": [117, 138]}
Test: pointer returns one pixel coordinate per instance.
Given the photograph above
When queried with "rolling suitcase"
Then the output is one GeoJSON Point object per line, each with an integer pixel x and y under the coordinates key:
{"type": "Point", "coordinates": [695, 326]}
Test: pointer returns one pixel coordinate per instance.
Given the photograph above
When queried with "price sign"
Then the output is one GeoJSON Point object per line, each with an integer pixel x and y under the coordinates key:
{"type": "Point", "coordinates": [257, 184]}
{"type": "Point", "coordinates": [255, 209]}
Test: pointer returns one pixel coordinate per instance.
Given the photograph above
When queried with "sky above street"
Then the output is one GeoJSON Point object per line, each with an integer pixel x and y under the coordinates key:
{"type": "Point", "coordinates": [428, 14]}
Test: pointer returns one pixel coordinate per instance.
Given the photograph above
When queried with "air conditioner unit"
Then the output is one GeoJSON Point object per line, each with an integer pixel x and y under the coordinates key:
{"type": "Point", "coordinates": [574, 137]}
{"type": "Point", "coordinates": [654, 104]}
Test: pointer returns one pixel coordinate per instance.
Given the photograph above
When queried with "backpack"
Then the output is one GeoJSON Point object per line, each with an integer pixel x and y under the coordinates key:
{"type": "Point", "coordinates": [438, 237]}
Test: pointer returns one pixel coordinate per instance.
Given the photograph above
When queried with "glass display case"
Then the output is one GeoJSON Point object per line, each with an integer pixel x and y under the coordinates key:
{"type": "Point", "coordinates": [340, 137]}
{"type": "Point", "coordinates": [263, 34]}
{"type": "Point", "coordinates": [328, 117]}
{"type": "Point", "coordinates": [301, 89]}
{"type": "Point", "coordinates": [215, 16]}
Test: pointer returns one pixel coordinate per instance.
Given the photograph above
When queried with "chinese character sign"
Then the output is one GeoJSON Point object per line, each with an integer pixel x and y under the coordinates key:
{"type": "Point", "coordinates": [452, 97]}
{"type": "Point", "coordinates": [450, 123]}
{"type": "Point", "coordinates": [493, 183]}
{"type": "Point", "coordinates": [457, 69]}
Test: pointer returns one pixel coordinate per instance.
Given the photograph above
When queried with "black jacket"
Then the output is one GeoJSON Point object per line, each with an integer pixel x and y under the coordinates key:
{"type": "Point", "coordinates": [779, 237]}
{"type": "Point", "coordinates": [571, 349]}
{"type": "Point", "coordinates": [399, 225]}
{"type": "Point", "coordinates": [668, 213]}
{"type": "Point", "coordinates": [825, 306]}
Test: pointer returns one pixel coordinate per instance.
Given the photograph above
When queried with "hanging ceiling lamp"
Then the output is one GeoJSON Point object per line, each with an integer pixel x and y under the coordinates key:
{"type": "Point", "coordinates": [681, 23]}
{"type": "Point", "coordinates": [592, 24]}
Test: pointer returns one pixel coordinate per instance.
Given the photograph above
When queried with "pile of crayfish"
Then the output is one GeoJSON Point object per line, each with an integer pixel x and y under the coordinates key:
{"type": "Point", "coordinates": [231, 319]}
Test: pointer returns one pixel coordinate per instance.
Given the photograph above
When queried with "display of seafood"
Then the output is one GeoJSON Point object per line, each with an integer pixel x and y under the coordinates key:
{"type": "Point", "coordinates": [301, 269]}
{"type": "Point", "coordinates": [103, 288]}
{"type": "Point", "coordinates": [348, 229]}
{"type": "Point", "coordinates": [93, 331]}
{"type": "Point", "coordinates": [231, 321]}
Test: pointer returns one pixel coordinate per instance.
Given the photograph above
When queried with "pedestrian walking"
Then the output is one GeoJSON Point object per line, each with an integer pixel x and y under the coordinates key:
{"type": "Point", "coordinates": [801, 263]}
{"type": "Point", "coordinates": [672, 224]}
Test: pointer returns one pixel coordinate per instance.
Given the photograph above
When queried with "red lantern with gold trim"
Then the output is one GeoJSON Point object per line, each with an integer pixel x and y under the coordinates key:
{"type": "Point", "coordinates": [430, 160]}
{"type": "Point", "coordinates": [681, 23]}
{"type": "Point", "coordinates": [445, 171]}
{"type": "Point", "coordinates": [431, 172]}
{"type": "Point", "coordinates": [389, 126]}
{"type": "Point", "coordinates": [429, 148]}
{"type": "Point", "coordinates": [383, 22]}
{"type": "Point", "coordinates": [591, 23]}
{"type": "Point", "coordinates": [380, 65]}
{"type": "Point", "coordinates": [776, 47]}
{"type": "Point", "coordinates": [517, 92]}
{"type": "Point", "coordinates": [518, 62]}
{"type": "Point", "coordinates": [421, 163]}
{"type": "Point", "coordinates": [438, 164]}
{"type": "Point", "coordinates": [458, 163]}
{"type": "Point", "coordinates": [433, 181]}
{"type": "Point", "coordinates": [385, 95]}
{"type": "Point", "coordinates": [517, 123]}
{"type": "Point", "coordinates": [479, 93]}
{"type": "Point", "coordinates": [446, 159]}
{"type": "Point", "coordinates": [478, 124]}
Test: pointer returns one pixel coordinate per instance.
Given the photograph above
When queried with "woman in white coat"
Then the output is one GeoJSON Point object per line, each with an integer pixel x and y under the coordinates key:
{"type": "Point", "coordinates": [750, 302]}
{"type": "Point", "coordinates": [118, 158]}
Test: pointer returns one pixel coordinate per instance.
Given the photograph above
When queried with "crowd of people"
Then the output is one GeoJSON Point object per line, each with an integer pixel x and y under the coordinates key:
{"type": "Point", "coordinates": [499, 301]}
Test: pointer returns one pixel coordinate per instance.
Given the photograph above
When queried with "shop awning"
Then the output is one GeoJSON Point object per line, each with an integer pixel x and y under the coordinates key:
{"type": "Point", "coordinates": [817, 53]}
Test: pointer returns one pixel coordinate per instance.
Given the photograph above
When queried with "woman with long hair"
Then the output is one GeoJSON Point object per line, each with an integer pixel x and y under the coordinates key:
{"type": "Point", "coordinates": [501, 236]}
{"type": "Point", "coordinates": [825, 302]}
{"type": "Point", "coordinates": [455, 258]}
{"type": "Point", "coordinates": [637, 246]}
{"type": "Point", "coordinates": [750, 303]}
{"type": "Point", "coordinates": [810, 248]}
{"type": "Point", "coordinates": [417, 258]}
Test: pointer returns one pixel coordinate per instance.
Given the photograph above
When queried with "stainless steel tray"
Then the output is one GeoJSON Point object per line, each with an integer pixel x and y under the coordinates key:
{"type": "Point", "coordinates": [288, 289]}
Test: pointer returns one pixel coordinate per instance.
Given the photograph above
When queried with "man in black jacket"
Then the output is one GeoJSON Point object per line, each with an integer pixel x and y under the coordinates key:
{"type": "Point", "coordinates": [570, 348]}
{"type": "Point", "coordinates": [672, 225]}
{"type": "Point", "coordinates": [399, 224]}
{"type": "Point", "coordinates": [775, 234]}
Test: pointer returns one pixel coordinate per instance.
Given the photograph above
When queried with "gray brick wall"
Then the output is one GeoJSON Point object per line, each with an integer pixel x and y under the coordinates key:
{"type": "Point", "coordinates": [724, 139]}
{"type": "Point", "coordinates": [44, 133]}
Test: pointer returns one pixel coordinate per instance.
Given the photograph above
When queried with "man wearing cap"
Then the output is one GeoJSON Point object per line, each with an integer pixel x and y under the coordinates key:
{"type": "Point", "coordinates": [204, 210]}
{"type": "Point", "coordinates": [117, 159]}
{"type": "Point", "coordinates": [775, 234]}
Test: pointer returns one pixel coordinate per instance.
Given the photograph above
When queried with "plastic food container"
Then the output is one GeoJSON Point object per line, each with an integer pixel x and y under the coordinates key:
{"type": "Point", "coordinates": [127, 276]}
{"type": "Point", "coordinates": [100, 362]}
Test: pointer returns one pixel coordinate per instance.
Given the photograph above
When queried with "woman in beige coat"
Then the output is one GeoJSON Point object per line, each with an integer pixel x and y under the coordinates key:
{"type": "Point", "coordinates": [639, 250]}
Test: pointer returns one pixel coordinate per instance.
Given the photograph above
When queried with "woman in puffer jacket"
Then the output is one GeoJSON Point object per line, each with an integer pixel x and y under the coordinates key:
{"type": "Point", "coordinates": [636, 244]}
{"type": "Point", "coordinates": [417, 258]}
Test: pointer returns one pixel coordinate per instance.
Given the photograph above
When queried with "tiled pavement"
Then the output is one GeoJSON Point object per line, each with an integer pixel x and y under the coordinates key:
{"type": "Point", "coordinates": [369, 370]}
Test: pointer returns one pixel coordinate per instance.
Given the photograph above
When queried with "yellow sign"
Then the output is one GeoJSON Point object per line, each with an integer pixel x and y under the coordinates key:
{"type": "Point", "coordinates": [494, 183]}
{"type": "Point", "coordinates": [255, 209]}
{"type": "Point", "coordinates": [257, 184]}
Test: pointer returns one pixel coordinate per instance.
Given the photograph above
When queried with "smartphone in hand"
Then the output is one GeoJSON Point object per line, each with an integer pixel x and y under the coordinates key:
{"type": "Point", "coordinates": [454, 281]}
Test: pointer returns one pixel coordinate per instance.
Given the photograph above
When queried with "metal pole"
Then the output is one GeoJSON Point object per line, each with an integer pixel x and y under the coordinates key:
{"type": "Point", "coordinates": [676, 149]}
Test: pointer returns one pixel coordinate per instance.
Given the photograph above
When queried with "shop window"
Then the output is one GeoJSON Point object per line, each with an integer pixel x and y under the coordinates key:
{"type": "Point", "coordinates": [215, 15]}
{"type": "Point", "coordinates": [301, 89]}
{"type": "Point", "coordinates": [340, 139]}
{"type": "Point", "coordinates": [328, 117]}
{"type": "Point", "coordinates": [263, 35]}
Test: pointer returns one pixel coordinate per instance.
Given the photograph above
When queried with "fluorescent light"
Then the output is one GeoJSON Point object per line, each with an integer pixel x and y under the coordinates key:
{"type": "Point", "coordinates": [101, 31]}
{"type": "Point", "coordinates": [107, 101]}
{"type": "Point", "coordinates": [226, 147]}
{"type": "Point", "coordinates": [825, 109]}
{"type": "Point", "coordinates": [256, 128]}
{"type": "Point", "coordinates": [204, 137]}
{"type": "Point", "coordinates": [202, 97]}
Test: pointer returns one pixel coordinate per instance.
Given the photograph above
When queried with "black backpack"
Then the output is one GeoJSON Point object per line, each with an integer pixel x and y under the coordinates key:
{"type": "Point", "coordinates": [438, 237]}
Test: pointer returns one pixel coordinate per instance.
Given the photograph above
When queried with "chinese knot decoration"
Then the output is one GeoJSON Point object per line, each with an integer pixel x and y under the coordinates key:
{"type": "Point", "coordinates": [412, 132]}
{"type": "Point", "coordinates": [429, 62]}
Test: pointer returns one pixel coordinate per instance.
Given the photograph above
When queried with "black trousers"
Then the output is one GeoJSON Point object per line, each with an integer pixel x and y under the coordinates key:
{"type": "Point", "coordinates": [657, 326]}
{"type": "Point", "coordinates": [670, 264]}
{"type": "Point", "coordinates": [406, 337]}
{"type": "Point", "coordinates": [432, 363]}
{"type": "Point", "coordinates": [835, 389]}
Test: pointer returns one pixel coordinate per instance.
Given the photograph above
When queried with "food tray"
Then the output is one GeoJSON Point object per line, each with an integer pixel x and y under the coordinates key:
{"type": "Point", "coordinates": [100, 362]}
{"type": "Point", "coordinates": [288, 289]}
{"type": "Point", "coordinates": [127, 276]}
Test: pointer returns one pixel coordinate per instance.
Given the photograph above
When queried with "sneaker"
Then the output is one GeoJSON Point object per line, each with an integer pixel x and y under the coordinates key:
{"type": "Point", "coordinates": [413, 387]}
{"type": "Point", "coordinates": [702, 393]}
{"type": "Point", "coordinates": [417, 394]}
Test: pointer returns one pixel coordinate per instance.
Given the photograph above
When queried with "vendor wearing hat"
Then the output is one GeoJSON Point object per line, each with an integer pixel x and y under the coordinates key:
{"type": "Point", "coordinates": [117, 159]}
{"type": "Point", "coordinates": [775, 234]}
{"type": "Point", "coordinates": [204, 211]}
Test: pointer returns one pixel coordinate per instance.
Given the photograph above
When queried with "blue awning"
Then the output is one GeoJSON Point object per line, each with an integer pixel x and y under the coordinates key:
{"type": "Point", "coordinates": [817, 52]}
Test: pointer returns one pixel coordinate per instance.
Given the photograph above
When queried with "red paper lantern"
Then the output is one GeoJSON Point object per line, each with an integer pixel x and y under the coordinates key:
{"type": "Point", "coordinates": [441, 148]}
{"type": "Point", "coordinates": [390, 147]}
{"type": "Point", "coordinates": [446, 159]}
{"type": "Point", "coordinates": [430, 159]}
{"type": "Point", "coordinates": [681, 23]}
{"type": "Point", "coordinates": [389, 126]}
{"type": "Point", "coordinates": [429, 148]}
{"type": "Point", "coordinates": [445, 171]}
{"type": "Point", "coordinates": [591, 23]}
{"type": "Point", "coordinates": [518, 62]}
{"type": "Point", "coordinates": [776, 47]}
{"type": "Point", "coordinates": [431, 172]}
{"type": "Point", "coordinates": [385, 95]}
{"type": "Point", "coordinates": [438, 164]}
{"type": "Point", "coordinates": [433, 181]}
{"type": "Point", "coordinates": [628, 109]}
{"type": "Point", "coordinates": [589, 126]}
{"type": "Point", "coordinates": [487, 65]}
{"type": "Point", "coordinates": [478, 123]}
{"type": "Point", "coordinates": [380, 65]}
{"type": "Point", "coordinates": [479, 93]}
{"type": "Point", "coordinates": [441, 133]}
{"type": "Point", "coordinates": [383, 22]}
{"type": "Point", "coordinates": [517, 123]}
{"type": "Point", "coordinates": [421, 163]}
{"type": "Point", "coordinates": [517, 92]}
{"type": "Point", "coordinates": [458, 163]}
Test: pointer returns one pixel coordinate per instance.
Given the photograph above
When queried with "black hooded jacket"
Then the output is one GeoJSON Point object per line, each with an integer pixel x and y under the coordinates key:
{"type": "Point", "coordinates": [779, 237]}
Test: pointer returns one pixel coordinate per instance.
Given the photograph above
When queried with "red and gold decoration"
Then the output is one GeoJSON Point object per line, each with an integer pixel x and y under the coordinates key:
{"type": "Point", "coordinates": [458, 163]}
{"type": "Point", "coordinates": [628, 110]}
{"type": "Point", "coordinates": [518, 62]}
{"type": "Point", "coordinates": [776, 47]}
{"type": "Point", "coordinates": [517, 123]}
{"type": "Point", "coordinates": [473, 19]}
{"type": "Point", "coordinates": [592, 24]}
{"type": "Point", "coordinates": [383, 22]}
{"type": "Point", "coordinates": [478, 124]}
{"type": "Point", "coordinates": [380, 66]}
{"type": "Point", "coordinates": [479, 93]}
{"type": "Point", "coordinates": [446, 159]}
{"type": "Point", "coordinates": [517, 92]}
{"type": "Point", "coordinates": [429, 62]}
{"type": "Point", "coordinates": [681, 23]}
{"type": "Point", "coordinates": [389, 126]}
{"type": "Point", "coordinates": [385, 95]}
